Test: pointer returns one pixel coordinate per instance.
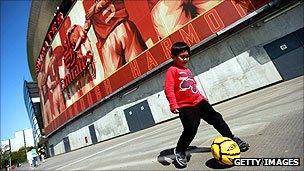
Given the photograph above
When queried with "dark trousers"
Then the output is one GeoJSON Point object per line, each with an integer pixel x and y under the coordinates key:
{"type": "Point", "coordinates": [191, 117]}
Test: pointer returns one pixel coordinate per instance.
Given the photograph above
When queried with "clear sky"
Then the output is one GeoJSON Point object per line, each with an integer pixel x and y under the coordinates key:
{"type": "Point", "coordinates": [14, 66]}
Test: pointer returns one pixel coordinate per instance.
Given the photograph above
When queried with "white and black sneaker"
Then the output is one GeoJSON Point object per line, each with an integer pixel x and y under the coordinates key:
{"type": "Point", "coordinates": [244, 146]}
{"type": "Point", "coordinates": [180, 158]}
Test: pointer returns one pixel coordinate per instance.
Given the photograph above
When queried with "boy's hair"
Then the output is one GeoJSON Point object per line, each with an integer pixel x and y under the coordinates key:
{"type": "Point", "coordinates": [179, 47]}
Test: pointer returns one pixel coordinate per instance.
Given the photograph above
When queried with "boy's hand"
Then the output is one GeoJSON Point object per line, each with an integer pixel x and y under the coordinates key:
{"type": "Point", "coordinates": [176, 111]}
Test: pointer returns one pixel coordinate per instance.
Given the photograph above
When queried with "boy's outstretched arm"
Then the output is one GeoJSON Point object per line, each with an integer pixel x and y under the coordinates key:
{"type": "Point", "coordinates": [169, 91]}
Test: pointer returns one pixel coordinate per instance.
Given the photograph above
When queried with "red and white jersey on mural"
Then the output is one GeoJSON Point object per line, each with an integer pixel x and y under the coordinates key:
{"type": "Point", "coordinates": [105, 15]}
{"type": "Point", "coordinates": [55, 87]}
{"type": "Point", "coordinates": [118, 39]}
{"type": "Point", "coordinates": [78, 57]}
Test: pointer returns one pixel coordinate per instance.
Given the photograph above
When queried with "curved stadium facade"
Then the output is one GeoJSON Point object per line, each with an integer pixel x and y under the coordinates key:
{"type": "Point", "coordinates": [100, 73]}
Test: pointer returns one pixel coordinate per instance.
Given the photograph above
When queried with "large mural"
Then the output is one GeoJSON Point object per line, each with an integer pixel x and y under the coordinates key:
{"type": "Point", "coordinates": [101, 46]}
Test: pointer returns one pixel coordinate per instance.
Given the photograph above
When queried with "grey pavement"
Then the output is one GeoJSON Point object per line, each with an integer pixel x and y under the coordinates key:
{"type": "Point", "coordinates": [270, 120]}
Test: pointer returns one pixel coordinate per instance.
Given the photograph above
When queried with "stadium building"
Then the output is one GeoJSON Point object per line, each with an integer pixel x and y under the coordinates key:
{"type": "Point", "coordinates": [100, 65]}
{"type": "Point", "coordinates": [32, 104]}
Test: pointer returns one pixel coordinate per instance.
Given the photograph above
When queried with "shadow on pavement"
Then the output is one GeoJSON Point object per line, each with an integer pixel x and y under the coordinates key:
{"type": "Point", "coordinates": [212, 163]}
{"type": "Point", "coordinates": [167, 157]}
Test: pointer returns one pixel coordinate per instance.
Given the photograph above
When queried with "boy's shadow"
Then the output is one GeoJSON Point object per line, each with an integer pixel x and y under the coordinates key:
{"type": "Point", "coordinates": [212, 163]}
{"type": "Point", "coordinates": [166, 157]}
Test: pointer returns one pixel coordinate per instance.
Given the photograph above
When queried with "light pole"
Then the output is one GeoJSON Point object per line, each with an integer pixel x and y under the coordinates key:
{"type": "Point", "coordinates": [10, 153]}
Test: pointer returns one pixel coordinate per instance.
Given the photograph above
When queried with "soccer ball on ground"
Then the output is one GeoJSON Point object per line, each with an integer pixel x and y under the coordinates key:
{"type": "Point", "coordinates": [225, 150]}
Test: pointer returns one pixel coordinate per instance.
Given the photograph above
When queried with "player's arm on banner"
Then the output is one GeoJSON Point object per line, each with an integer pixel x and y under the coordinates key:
{"type": "Point", "coordinates": [53, 84]}
{"type": "Point", "coordinates": [81, 39]}
{"type": "Point", "coordinates": [206, 5]}
{"type": "Point", "coordinates": [97, 7]}
{"type": "Point", "coordinates": [168, 16]}
{"type": "Point", "coordinates": [50, 84]}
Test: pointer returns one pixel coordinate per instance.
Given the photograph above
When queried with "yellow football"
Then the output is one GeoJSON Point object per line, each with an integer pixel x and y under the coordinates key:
{"type": "Point", "coordinates": [225, 150]}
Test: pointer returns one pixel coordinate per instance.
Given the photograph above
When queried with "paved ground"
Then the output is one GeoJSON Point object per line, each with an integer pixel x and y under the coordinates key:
{"type": "Point", "coordinates": [271, 120]}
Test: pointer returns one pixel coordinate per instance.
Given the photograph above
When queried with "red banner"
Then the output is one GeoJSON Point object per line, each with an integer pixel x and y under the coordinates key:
{"type": "Point", "coordinates": [106, 45]}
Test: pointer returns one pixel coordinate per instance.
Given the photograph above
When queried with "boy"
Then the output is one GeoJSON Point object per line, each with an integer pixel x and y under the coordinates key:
{"type": "Point", "coordinates": [185, 100]}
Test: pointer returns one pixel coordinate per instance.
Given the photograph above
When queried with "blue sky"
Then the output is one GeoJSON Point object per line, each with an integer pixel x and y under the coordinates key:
{"type": "Point", "coordinates": [14, 66]}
